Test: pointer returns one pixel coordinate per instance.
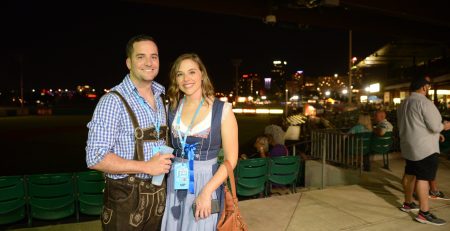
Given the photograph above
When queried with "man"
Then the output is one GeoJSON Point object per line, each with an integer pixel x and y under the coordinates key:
{"type": "Point", "coordinates": [419, 124]}
{"type": "Point", "coordinates": [382, 125]}
{"type": "Point", "coordinates": [123, 143]}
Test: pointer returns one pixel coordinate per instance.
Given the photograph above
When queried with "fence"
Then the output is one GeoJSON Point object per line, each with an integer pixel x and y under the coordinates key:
{"type": "Point", "coordinates": [337, 148]}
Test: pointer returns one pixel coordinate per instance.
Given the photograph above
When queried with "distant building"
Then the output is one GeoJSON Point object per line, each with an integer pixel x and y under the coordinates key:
{"type": "Point", "coordinates": [249, 84]}
{"type": "Point", "coordinates": [278, 79]}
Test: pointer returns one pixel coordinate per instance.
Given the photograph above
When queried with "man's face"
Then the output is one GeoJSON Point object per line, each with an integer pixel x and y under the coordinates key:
{"type": "Point", "coordinates": [144, 61]}
{"type": "Point", "coordinates": [379, 116]}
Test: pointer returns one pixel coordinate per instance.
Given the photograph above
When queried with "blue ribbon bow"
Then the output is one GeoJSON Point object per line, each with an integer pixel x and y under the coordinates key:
{"type": "Point", "coordinates": [190, 150]}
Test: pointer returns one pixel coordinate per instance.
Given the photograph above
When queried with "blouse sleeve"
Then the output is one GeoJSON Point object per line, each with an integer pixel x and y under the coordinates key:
{"type": "Point", "coordinates": [226, 108]}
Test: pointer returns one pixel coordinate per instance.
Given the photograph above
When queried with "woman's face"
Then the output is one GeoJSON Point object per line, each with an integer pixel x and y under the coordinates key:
{"type": "Point", "coordinates": [189, 78]}
{"type": "Point", "coordinates": [260, 143]}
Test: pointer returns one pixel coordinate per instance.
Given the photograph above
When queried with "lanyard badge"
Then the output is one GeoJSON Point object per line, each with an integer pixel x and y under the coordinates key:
{"type": "Point", "coordinates": [181, 178]}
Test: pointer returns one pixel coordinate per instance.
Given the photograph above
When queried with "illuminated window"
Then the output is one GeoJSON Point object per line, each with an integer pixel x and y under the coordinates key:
{"type": "Point", "coordinates": [267, 82]}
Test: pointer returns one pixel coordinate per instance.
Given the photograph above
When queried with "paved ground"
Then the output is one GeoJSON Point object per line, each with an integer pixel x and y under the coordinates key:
{"type": "Point", "coordinates": [370, 205]}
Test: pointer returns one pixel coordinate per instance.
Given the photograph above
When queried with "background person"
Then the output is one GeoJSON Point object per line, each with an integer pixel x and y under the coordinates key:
{"type": "Point", "coordinates": [262, 146]}
{"type": "Point", "coordinates": [276, 149]}
{"type": "Point", "coordinates": [382, 125]}
{"type": "Point", "coordinates": [419, 124]}
{"type": "Point", "coordinates": [364, 124]}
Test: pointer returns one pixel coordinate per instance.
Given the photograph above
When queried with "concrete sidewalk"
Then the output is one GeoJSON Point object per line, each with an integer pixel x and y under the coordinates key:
{"type": "Point", "coordinates": [371, 205]}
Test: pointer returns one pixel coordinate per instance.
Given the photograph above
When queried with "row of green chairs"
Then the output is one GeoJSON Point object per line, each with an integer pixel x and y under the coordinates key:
{"type": "Point", "coordinates": [255, 176]}
{"type": "Point", "coordinates": [50, 196]}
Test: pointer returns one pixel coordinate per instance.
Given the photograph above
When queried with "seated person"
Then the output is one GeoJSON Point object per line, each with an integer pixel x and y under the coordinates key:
{"type": "Point", "coordinates": [364, 124]}
{"type": "Point", "coordinates": [262, 146]}
{"type": "Point", "coordinates": [276, 149]}
{"type": "Point", "coordinates": [276, 132]}
{"type": "Point", "coordinates": [382, 125]}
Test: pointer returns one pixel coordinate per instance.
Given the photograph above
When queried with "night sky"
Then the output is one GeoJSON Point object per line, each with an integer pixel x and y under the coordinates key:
{"type": "Point", "coordinates": [62, 44]}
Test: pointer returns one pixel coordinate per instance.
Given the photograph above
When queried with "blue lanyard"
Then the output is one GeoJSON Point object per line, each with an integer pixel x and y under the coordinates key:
{"type": "Point", "coordinates": [183, 139]}
{"type": "Point", "coordinates": [190, 147]}
{"type": "Point", "coordinates": [155, 120]}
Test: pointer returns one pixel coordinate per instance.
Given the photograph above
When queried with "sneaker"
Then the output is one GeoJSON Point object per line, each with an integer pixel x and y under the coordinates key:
{"type": "Point", "coordinates": [409, 207]}
{"type": "Point", "coordinates": [436, 195]}
{"type": "Point", "coordinates": [429, 219]}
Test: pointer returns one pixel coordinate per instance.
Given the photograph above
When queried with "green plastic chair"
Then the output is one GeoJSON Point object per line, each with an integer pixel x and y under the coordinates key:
{"type": "Point", "coordinates": [382, 145]}
{"type": "Point", "coordinates": [366, 138]}
{"type": "Point", "coordinates": [12, 199]}
{"type": "Point", "coordinates": [220, 156]}
{"type": "Point", "coordinates": [90, 186]}
{"type": "Point", "coordinates": [362, 144]}
{"type": "Point", "coordinates": [284, 170]}
{"type": "Point", "coordinates": [251, 176]}
{"type": "Point", "coordinates": [51, 196]}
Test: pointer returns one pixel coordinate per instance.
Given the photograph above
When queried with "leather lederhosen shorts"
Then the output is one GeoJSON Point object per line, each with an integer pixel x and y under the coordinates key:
{"type": "Point", "coordinates": [133, 204]}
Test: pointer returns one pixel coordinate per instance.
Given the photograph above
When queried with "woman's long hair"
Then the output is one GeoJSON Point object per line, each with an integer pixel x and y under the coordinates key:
{"type": "Point", "coordinates": [365, 120]}
{"type": "Point", "coordinates": [174, 93]}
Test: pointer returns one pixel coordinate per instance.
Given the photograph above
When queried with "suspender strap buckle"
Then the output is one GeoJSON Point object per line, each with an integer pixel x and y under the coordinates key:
{"type": "Point", "coordinates": [138, 133]}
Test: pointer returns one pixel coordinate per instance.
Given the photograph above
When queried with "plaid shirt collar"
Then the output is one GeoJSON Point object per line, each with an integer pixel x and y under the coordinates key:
{"type": "Point", "coordinates": [157, 88]}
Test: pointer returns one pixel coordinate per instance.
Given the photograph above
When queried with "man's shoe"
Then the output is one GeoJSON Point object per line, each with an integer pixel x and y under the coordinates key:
{"type": "Point", "coordinates": [429, 219]}
{"type": "Point", "coordinates": [409, 207]}
{"type": "Point", "coordinates": [436, 195]}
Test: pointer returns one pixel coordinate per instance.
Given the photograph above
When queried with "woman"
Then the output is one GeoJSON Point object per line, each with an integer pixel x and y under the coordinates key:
{"type": "Point", "coordinates": [262, 146]}
{"type": "Point", "coordinates": [200, 124]}
{"type": "Point", "coordinates": [364, 124]}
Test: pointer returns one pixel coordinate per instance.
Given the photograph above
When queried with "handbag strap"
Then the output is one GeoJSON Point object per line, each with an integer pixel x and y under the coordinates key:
{"type": "Point", "coordinates": [231, 177]}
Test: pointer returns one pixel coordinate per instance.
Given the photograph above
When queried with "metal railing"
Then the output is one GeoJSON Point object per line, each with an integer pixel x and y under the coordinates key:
{"type": "Point", "coordinates": [337, 148]}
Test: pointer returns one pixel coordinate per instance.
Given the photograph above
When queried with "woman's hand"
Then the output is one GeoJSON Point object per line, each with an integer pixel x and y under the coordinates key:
{"type": "Point", "coordinates": [203, 206]}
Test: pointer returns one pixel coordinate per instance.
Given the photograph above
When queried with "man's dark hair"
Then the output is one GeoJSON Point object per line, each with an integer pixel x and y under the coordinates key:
{"type": "Point", "coordinates": [135, 39]}
{"type": "Point", "coordinates": [417, 83]}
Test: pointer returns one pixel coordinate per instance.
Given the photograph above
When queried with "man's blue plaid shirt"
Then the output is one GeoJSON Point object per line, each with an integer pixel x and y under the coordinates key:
{"type": "Point", "coordinates": [111, 129]}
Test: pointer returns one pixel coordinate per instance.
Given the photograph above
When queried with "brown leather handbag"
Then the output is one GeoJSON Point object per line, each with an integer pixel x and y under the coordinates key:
{"type": "Point", "coordinates": [231, 219]}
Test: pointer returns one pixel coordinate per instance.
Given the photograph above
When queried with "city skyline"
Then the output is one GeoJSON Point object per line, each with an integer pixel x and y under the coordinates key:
{"type": "Point", "coordinates": [85, 43]}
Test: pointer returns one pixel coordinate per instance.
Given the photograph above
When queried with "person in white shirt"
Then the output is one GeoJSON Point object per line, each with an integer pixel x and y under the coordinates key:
{"type": "Point", "coordinates": [419, 123]}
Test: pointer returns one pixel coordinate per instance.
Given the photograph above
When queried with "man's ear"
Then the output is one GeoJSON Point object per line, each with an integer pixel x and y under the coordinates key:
{"type": "Point", "coordinates": [128, 62]}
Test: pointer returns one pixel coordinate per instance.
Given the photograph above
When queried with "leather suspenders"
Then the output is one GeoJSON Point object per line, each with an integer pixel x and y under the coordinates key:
{"type": "Point", "coordinates": [142, 135]}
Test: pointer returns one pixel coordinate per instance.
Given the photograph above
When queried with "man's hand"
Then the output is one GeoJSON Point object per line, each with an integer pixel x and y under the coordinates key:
{"type": "Point", "coordinates": [159, 164]}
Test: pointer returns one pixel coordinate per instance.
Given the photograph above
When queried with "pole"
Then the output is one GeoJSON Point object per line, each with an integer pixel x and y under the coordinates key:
{"type": "Point", "coordinates": [21, 83]}
{"type": "Point", "coordinates": [286, 103]}
{"type": "Point", "coordinates": [324, 162]}
{"type": "Point", "coordinates": [350, 67]}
